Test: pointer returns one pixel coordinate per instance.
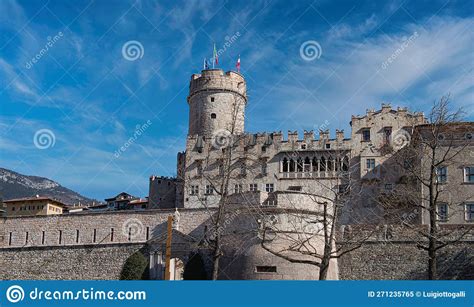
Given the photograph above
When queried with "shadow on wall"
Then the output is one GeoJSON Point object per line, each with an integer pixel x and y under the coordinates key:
{"type": "Point", "coordinates": [452, 265]}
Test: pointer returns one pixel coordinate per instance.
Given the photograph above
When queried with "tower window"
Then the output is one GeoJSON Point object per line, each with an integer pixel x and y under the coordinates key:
{"type": "Point", "coordinates": [212, 99]}
{"type": "Point", "coordinates": [213, 115]}
{"type": "Point", "coordinates": [366, 135]}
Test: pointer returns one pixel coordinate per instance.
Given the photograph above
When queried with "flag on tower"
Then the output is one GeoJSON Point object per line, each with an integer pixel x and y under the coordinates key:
{"type": "Point", "coordinates": [238, 64]}
{"type": "Point", "coordinates": [216, 57]}
{"type": "Point", "coordinates": [206, 64]}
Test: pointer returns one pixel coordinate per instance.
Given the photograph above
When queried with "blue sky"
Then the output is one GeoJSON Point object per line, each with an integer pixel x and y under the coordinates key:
{"type": "Point", "coordinates": [92, 99]}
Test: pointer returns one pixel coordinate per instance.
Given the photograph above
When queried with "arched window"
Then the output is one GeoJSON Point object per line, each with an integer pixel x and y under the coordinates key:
{"type": "Point", "coordinates": [285, 165]}
{"type": "Point", "coordinates": [213, 115]}
{"type": "Point", "coordinates": [345, 164]}
{"type": "Point", "coordinates": [292, 165]}
{"type": "Point", "coordinates": [299, 166]}
{"type": "Point", "coordinates": [330, 164]}
{"type": "Point", "coordinates": [307, 165]}
{"type": "Point", "coordinates": [322, 165]}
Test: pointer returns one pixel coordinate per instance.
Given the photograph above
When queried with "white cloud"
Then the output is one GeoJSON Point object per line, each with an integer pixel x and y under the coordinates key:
{"type": "Point", "coordinates": [349, 76]}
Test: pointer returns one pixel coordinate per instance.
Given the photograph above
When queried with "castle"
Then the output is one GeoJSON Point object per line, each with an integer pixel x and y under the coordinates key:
{"type": "Point", "coordinates": [269, 181]}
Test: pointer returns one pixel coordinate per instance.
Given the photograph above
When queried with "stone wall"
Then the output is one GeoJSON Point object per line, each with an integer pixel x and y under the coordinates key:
{"type": "Point", "coordinates": [65, 262]}
{"type": "Point", "coordinates": [403, 260]}
{"type": "Point", "coordinates": [389, 253]}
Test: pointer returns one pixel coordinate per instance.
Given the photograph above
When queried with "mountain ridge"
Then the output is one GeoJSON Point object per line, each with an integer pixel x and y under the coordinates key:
{"type": "Point", "coordinates": [15, 185]}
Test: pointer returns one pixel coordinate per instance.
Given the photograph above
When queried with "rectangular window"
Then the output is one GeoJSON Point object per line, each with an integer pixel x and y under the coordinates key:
{"type": "Point", "coordinates": [442, 212]}
{"type": "Point", "coordinates": [265, 269]}
{"type": "Point", "coordinates": [26, 237]}
{"type": "Point", "coordinates": [388, 187]}
{"type": "Point", "coordinates": [328, 146]}
{"type": "Point", "coordinates": [366, 135]}
{"type": "Point", "coordinates": [269, 187]}
{"type": "Point", "coordinates": [43, 238]}
{"type": "Point", "coordinates": [111, 235]}
{"type": "Point", "coordinates": [264, 168]}
{"type": "Point", "coordinates": [10, 236]}
{"type": "Point", "coordinates": [441, 174]}
{"type": "Point", "coordinates": [60, 237]}
{"type": "Point", "coordinates": [94, 237]}
{"type": "Point", "coordinates": [194, 190]}
{"type": "Point", "coordinates": [253, 187]}
{"type": "Point", "coordinates": [77, 235]}
{"type": "Point", "coordinates": [209, 190]}
{"type": "Point", "coordinates": [469, 174]}
{"type": "Point", "coordinates": [238, 188]}
{"type": "Point", "coordinates": [370, 164]}
{"type": "Point", "coordinates": [470, 212]}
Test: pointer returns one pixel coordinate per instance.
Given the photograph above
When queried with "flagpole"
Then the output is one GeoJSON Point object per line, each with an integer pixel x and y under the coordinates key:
{"type": "Point", "coordinates": [213, 56]}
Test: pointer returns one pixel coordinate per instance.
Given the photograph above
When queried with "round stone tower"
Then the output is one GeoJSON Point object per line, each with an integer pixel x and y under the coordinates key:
{"type": "Point", "coordinates": [217, 102]}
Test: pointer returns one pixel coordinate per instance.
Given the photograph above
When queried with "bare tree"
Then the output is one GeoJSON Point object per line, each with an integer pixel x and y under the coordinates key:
{"type": "Point", "coordinates": [309, 235]}
{"type": "Point", "coordinates": [218, 169]}
{"type": "Point", "coordinates": [423, 163]}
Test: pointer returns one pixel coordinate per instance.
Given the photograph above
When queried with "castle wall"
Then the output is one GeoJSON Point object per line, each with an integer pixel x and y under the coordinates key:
{"type": "Point", "coordinates": [390, 253]}
{"type": "Point", "coordinates": [403, 260]}
{"type": "Point", "coordinates": [66, 262]}
{"type": "Point", "coordinates": [259, 160]}
{"type": "Point", "coordinates": [95, 245]}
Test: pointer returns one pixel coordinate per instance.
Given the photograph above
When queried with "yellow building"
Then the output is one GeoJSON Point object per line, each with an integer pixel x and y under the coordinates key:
{"type": "Point", "coordinates": [33, 206]}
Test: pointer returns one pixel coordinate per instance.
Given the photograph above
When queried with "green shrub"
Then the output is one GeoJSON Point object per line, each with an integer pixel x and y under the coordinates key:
{"type": "Point", "coordinates": [135, 268]}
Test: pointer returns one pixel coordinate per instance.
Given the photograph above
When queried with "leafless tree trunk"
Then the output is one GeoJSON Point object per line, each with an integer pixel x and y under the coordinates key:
{"type": "Point", "coordinates": [433, 146]}
{"type": "Point", "coordinates": [329, 200]}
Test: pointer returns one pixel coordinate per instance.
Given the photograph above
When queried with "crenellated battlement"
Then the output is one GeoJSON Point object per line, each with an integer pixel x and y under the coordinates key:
{"type": "Point", "coordinates": [217, 80]}
{"type": "Point", "coordinates": [401, 113]}
{"type": "Point", "coordinates": [292, 141]}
